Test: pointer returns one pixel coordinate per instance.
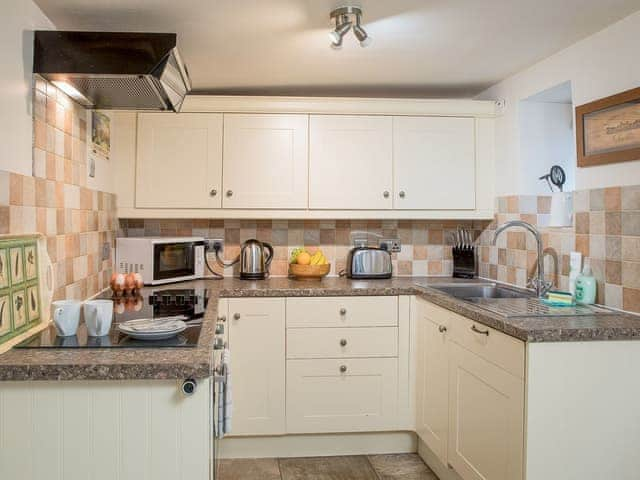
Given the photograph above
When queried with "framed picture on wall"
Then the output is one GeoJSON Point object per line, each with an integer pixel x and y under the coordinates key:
{"type": "Point", "coordinates": [608, 130]}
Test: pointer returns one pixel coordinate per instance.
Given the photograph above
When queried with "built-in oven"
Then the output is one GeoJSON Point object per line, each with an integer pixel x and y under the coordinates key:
{"type": "Point", "coordinates": [161, 260]}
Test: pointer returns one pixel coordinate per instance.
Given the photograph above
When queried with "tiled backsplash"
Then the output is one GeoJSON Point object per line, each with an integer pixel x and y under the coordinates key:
{"type": "Point", "coordinates": [606, 231]}
{"type": "Point", "coordinates": [424, 243]}
{"type": "Point", "coordinates": [55, 200]}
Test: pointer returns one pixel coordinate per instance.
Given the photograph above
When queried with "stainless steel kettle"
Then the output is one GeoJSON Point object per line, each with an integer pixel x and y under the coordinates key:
{"type": "Point", "coordinates": [254, 261]}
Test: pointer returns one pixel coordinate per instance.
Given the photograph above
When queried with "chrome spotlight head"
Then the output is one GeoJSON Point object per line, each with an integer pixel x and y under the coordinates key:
{"type": "Point", "coordinates": [362, 35]}
{"type": "Point", "coordinates": [339, 32]}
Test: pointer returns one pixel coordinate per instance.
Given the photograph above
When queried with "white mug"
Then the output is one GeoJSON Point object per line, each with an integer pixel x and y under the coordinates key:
{"type": "Point", "coordinates": [66, 316]}
{"type": "Point", "coordinates": [97, 316]}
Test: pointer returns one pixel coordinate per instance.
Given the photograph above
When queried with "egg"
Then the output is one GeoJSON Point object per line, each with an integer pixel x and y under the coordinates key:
{"type": "Point", "coordinates": [129, 281]}
{"type": "Point", "coordinates": [117, 282]}
{"type": "Point", "coordinates": [138, 280]}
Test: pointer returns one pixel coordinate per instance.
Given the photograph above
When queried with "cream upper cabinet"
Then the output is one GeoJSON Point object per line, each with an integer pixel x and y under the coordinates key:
{"type": "Point", "coordinates": [179, 160]}
{"type": "Point", "coordinates": [434, 163]}
{"type": "Point", "coordinates": [350, 162]}
{"type": "Point", "coordinates": [432, 377]}
{"type": "Point", "coordinates": [486, 418]}
{"type": "Point", "coordinates": [257, 343]}
{"type": "Point", "coordinates": [265, 161]}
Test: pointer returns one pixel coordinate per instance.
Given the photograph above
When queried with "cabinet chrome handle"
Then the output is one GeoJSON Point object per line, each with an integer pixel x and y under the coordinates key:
{"type": "Point", "coordinates": [343, 368]}
{"type": "Point", "coordinates": [481, 332]}
{"type": "Point", "coordinates": [343, 342]}
{"type": "Point", "coordinates": [442, 329]}
{"type": "Point", "coordinates": [402, 194]}
{"type": "Point", "coordinates": [385, 194]}
{"type": "Point", "coordinates": [213, 192]}
{"type": "Point", "coordinates": [236, 316]}
{"type": "Point", "coordinates": [343, 311]}
{"type": "Point", "coordinates": [229, 193]}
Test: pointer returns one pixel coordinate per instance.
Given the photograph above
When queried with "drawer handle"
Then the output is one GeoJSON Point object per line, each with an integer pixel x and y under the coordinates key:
{"type": "Point", "coordinates": [343, 311]}
{"type": "Point", "coordinates": [481, 332]}
{"type": "Point", "coordinates": [343, 342]}
{"type": "Point", "coordinates": [442, 329]}
{"type": "Point", "coordinates": [236, 316]}
{"type": "Point", "coordinates": [343, 368]}
{"type": "Point", "coordinates": [213, 192]}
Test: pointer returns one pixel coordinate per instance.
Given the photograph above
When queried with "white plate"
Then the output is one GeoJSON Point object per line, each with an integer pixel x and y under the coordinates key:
{"type": "Point", "coordinates": [153, 335]}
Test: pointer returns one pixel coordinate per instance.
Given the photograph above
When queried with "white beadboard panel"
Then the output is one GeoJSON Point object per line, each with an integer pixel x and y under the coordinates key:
{"type": "Point", "coordinates": [47, 416]}
{"type": "Point", "coordinates": [16, 432]}
{"type": "Point", "coordinates": [77, 431]}
{"type": "Point", "coordinates": [115, 430]}
{"type": "Point", "coordinates": [134, 424]}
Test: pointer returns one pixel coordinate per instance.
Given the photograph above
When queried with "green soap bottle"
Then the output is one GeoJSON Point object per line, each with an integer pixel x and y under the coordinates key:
{"type": "Point", "coordinates": [586, 287]}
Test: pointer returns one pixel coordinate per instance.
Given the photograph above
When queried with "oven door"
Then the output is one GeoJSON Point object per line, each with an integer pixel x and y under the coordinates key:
{"type": "Point", "coordinates": [174, 261]}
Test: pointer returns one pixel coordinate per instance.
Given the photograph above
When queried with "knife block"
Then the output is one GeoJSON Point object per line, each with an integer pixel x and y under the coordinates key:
{"type": "Point", "coordinates": [464, 262]}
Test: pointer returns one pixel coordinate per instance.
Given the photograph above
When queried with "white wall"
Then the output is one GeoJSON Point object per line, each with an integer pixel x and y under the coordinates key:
{"type": "Point", "coordinates": [18, 20]}
{"type": "Point", "coordinates": [600, 65]}
{"type": "Point", "coordinates": [546, 139]}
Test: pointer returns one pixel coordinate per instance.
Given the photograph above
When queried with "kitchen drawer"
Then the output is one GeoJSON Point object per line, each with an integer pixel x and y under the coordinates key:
{"type": "Point", "coordinates": [342, 312]}
{"type": "Point", "coordinates": [342, 342]}
{"type": "Point", "coordinates": [342, 395]}
{"type": "Point", "coordinates": [494, 346]}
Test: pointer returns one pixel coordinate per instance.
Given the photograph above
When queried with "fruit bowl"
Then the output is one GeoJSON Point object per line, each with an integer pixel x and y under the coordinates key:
{"type": "Point", "coordinates": [309, 271]}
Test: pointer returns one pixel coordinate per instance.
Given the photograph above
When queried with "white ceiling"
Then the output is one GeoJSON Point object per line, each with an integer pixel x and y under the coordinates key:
{"type": "Point", "coordinates": [420, 47]}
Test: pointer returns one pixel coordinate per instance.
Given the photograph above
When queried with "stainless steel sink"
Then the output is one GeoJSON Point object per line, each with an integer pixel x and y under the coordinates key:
{"type": "Point", "coordinates": [511, 302]}
{"type": "Point", "coordinates": [467, 292]}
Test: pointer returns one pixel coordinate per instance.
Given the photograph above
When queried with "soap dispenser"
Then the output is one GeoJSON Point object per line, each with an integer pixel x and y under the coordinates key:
{"type": "Point", "coordinates": [586, 287]}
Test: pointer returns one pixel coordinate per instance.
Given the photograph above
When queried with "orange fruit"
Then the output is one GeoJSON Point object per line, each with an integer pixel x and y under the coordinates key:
{"type": "Point", "coordinates": [303, 258]}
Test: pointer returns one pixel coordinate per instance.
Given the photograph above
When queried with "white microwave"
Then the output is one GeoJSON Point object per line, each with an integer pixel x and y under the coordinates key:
{"type": "Point", "coordinates": [161, 260]}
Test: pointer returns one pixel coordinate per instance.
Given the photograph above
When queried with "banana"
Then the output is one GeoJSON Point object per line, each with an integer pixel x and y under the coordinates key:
{"type": "Point", "coordinates": [316, 258]}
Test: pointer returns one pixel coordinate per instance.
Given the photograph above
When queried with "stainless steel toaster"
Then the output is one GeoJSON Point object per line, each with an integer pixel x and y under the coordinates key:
{"type": "Point", "coordinates": [368, 262]}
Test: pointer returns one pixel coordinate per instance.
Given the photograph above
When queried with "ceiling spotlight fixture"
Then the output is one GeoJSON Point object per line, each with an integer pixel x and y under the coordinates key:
{"type": "Point", "coordinates": [343, 24]}
{"type": "Point", "coordinates": [345, 18]}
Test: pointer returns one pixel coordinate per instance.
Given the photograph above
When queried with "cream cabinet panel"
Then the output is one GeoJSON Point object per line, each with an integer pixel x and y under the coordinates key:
{"type": "Point", "coordinates": [342, 395]}
{"type": "Point", "coordinates": [434, 163]}
{"type": "Point", "coordinates": [350, 162]}
{"type": "Point", "coordinates": [105, 430]}
{"type": "Point", "coordinates": [265, 161]}
{"type": "Point", "coordinates": [342, 342]}
{"type": "Point", "coordinates": [432, 378]}
{"type": "Point", "coordinates": [342, 312]}
{"type": "Point", "coordinates": [257, 343]}
{"type": "Point", "coordinates": [486, 418]}
{"type": "Point", "coordinates": [179, 161]}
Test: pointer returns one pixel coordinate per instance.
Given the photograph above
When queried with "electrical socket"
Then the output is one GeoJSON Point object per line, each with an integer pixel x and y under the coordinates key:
{"type": "Point", "coordinates": [391, 244]}
{"type": "Point", "coordinates": [213, 244]}
{"type": "Point", "coordinates": [106, 251]}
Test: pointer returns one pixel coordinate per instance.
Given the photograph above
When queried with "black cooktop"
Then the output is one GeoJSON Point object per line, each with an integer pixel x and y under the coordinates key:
{"type": "Point", "coordinates": [191, 303]}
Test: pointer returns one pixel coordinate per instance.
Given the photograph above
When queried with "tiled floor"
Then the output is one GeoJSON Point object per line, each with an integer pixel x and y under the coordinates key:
{"type": "Point", "coordinates": [372, 467]}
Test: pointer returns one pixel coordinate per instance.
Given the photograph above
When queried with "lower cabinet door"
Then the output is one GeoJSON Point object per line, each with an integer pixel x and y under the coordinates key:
{"type": "Point", "coordinates": [342, 395]}
{"type": "Point", "coordinates": [486, 418]}
{"type": "Point", "coordinates": [256, 341]}
{"type": "Point", "coordinates": [432, 379]}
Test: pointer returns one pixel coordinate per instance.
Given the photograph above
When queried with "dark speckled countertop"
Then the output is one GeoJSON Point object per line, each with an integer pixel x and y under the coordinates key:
{"type": "Point", "coordinates": [169, 363]}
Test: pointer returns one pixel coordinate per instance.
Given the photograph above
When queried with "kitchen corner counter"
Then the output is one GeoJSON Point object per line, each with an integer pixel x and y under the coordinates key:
{"type": "Point", "coordinates": [180, 363]}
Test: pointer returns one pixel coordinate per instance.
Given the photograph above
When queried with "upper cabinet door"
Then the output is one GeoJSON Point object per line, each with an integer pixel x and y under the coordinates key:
{"type": "Point", "coordinates": [350, 162]}
{"type": "Point", "coordinates": [265, 161]}
{"type": "Point", "coordinates": [179, 162]}
{"type": "Point", "coordinates": [434, 163]}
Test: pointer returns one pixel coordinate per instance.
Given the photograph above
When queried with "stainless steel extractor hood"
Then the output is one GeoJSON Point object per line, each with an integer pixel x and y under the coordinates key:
{"type": "Point", "coordinates": [127, 71]}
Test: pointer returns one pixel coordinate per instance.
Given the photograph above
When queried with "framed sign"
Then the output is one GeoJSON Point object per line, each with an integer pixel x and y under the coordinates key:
{"type": "Point", "coordinates": [608, 130]}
